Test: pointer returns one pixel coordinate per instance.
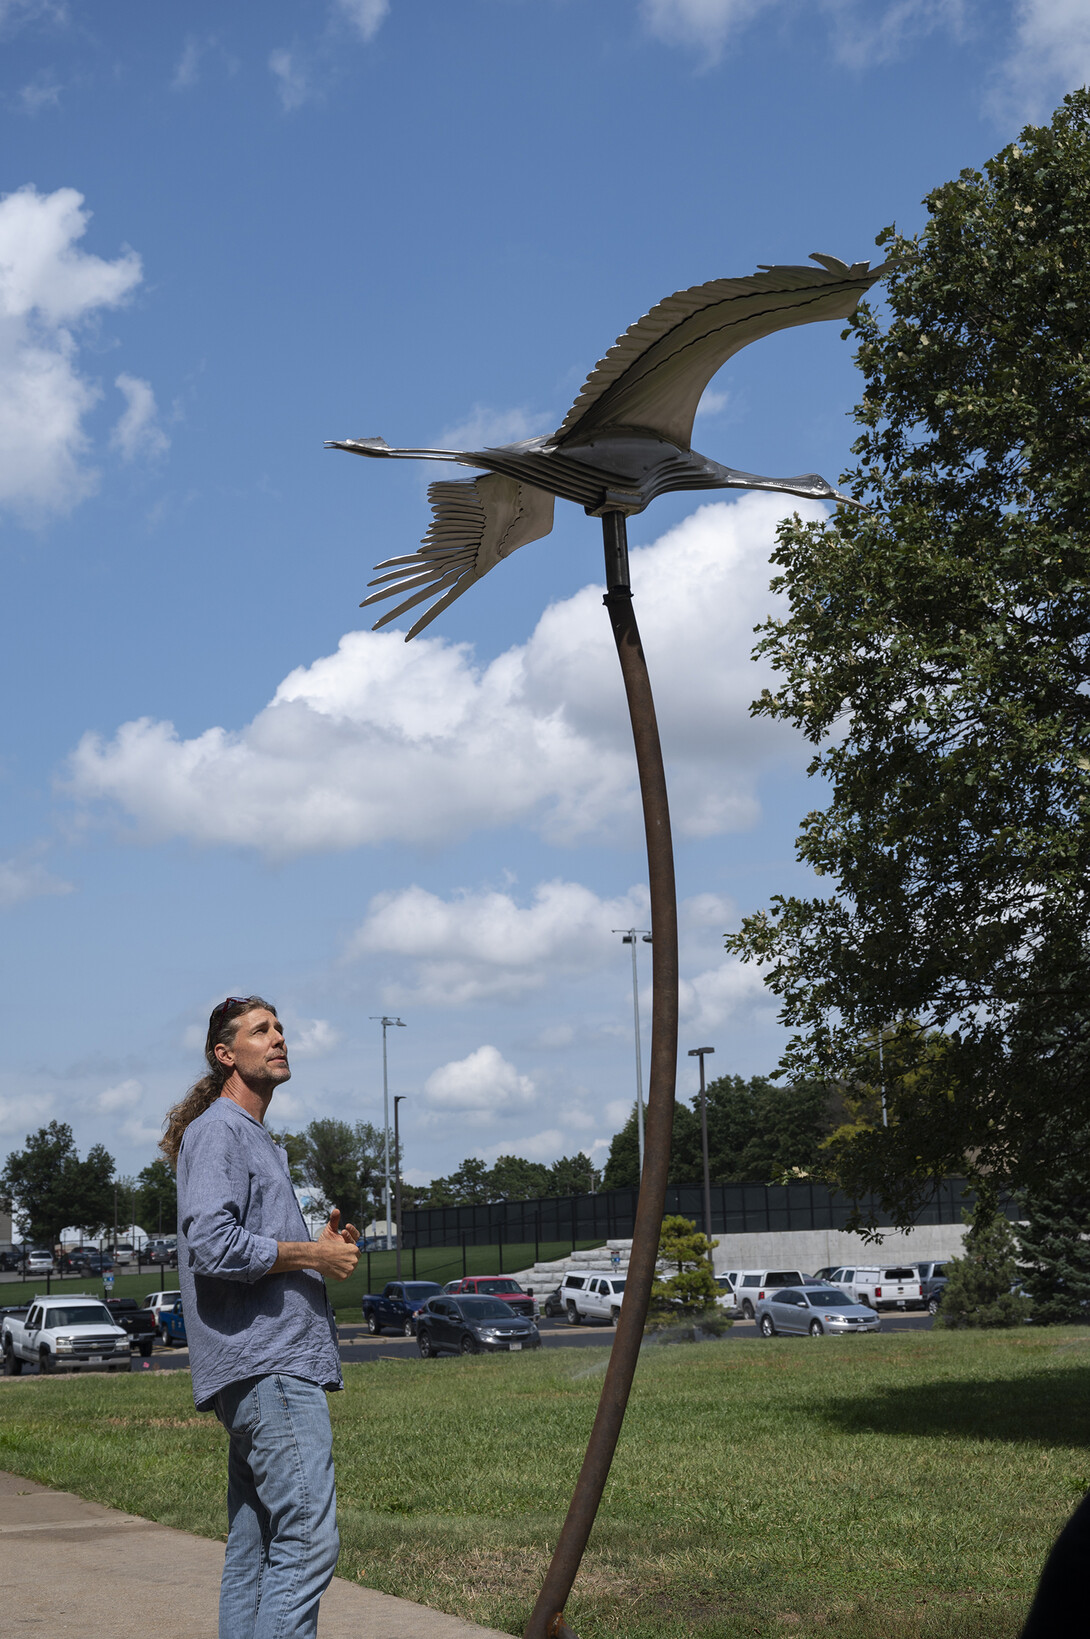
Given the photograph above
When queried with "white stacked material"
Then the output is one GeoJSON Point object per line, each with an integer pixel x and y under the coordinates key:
{"type": "Point", "coordinates": [543, 1277]}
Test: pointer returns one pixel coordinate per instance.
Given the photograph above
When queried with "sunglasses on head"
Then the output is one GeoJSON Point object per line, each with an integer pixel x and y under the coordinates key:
{"type": "Point", "coordinates": [232, 1001]}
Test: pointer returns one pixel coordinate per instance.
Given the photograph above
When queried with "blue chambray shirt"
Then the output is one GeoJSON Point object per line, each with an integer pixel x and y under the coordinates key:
{"type": "Point", "coordinates": [235, 1202]}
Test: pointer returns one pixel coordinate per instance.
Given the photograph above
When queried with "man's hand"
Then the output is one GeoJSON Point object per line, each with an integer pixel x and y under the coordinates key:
{"type": "Point", "coordinates": [334, 1254]}
{"type": "Point", "coordinates": [333, 1232]}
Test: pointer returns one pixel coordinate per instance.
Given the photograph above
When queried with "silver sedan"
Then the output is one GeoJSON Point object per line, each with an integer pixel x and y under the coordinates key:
{"type": "Point", "coordinates": [814, 1310]}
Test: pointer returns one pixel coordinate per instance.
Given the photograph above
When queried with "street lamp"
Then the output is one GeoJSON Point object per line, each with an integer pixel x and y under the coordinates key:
{"type": "Point", "coordinates": [386, 1024]}
{"type": "Point", "coordinates": [398, 1099]}
{"type": "Point", "coordinates": [629, 938]}
{"type": "Point", "coordinates": [701, 1053]}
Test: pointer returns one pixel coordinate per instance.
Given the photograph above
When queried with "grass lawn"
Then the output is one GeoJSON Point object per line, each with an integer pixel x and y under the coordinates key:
{"type": "Point", "coordinates": [892, 1487]}
{"type": "Point", "coordinates": [438, 1263]}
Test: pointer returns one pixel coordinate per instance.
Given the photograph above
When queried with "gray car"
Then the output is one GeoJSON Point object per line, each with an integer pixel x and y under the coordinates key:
{"type": "Point", "coordinates": [814, 1310]}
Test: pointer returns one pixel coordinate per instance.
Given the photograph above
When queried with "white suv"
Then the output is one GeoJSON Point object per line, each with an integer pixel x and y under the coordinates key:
{"type": "Point", "coordinates": [593, 1294]}
{"type": "Point", "coordinates": [752, 1286]}
{"type": "Point", "coordinates": [881, 1286]}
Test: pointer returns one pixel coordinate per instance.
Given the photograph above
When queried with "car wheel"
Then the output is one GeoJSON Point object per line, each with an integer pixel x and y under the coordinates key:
{"type": "Point", "coordinates": [614, 1315]}
{"type": "Point", "coordinates": [373, 1326]}
{"type": "Point", "coordinates": [574, 1317]}
{"type": "Point", "coordinates": [469, 1345]}
{"type": "Point", "coordinates": [46, 1363]}
{"type": "Point", "coordinates": [146, 1348]}
{"type": "Point", "coordinates": [423, 1343]}
{"type": "Point", "coordinates": [932, 1306]}
{"type": "Point", "coordinates": [13, 1366]}
{"type": "Point", "coordinates": [747, 1309]}
{"type": "Point", "coordinates": [407, 1329]}
{"type": "Point", "coordinates": [767, 1328]}
{"type": "Point", "coordinates": [816, 1329]}
{"type": "Point", "coordinates": [164, 1337]}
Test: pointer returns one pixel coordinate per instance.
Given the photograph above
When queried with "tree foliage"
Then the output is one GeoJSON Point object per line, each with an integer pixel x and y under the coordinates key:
{"type": "Point", "coordinates": [157, 1198]}
{"type": "Point", "coordinates": [512, 1178]}
{"type": "Point", "coordinates": [1055, 1239]}
{"type": "Point", "coordinates": [342, 1164]}
{"type": "Point", "coordinates": [758, 1132]}
{"type": "Point", "coordinates": [937, 654]}
{"type": "Point", "coordinates": [692, 1283]}
{"type": "Point", "coordinates": [51, 1188]}
{"type": "Point", "coordinates": [978, 1287]}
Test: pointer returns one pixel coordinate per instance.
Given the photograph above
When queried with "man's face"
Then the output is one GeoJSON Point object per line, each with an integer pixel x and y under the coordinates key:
{"type": "Point", "coordinates": [257, 1052]}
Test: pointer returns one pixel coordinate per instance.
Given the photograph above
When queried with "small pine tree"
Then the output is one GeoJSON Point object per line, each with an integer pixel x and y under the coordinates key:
{"type": "Point", "coordinates": [693, 1285]}
{"type": "Point", "coordinates": [1055, 1244]}
{"type": "Point", "coordinates": [978, 1289]}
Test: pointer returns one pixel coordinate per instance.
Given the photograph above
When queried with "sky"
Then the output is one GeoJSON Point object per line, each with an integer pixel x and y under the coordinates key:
{"type": "Point", "coordinates": [230, 233]}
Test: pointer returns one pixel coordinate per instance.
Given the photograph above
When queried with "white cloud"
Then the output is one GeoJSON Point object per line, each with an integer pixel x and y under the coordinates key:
{"type": "Point", "coordinates": [293, 79]}
{"type": "Point", "coordinates": [707, 24]}
{"type": "Point", "coordinates": [386, 740]}
{"type": "Point", "coordinates": [712, 403]}
{"type": "Point", "coordinates": [731, 990]}
{"type": "Point", "coordinates": [479, 1087]}
{"type": "Point", "coordinates": [40, 92]}
{"type": "Point", "coordinates": [189, 64]}
{"type": "Point", "coordinates": [364, 16]}
{"type": "Point", "coordinates": [1050, 55]}
{"type": "Point", "coordinates": [311, 1038]}
{"type": "Point", "coordinates": [138, 431]}
{"type": "Point", "coordinates": [481, 946]}
{"type": "Point", "coordinates": [124, 1096]}
{"type": "Point", "coordinates": [48, 288]}
{"type": "Point", "coordinates": [866, 35]}
{"type": "Point", "coordinates": [21, 880]}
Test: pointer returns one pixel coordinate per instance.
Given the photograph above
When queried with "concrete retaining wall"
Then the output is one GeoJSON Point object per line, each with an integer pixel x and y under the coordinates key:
{"type": "Point", "coordinates": [803, 1249]}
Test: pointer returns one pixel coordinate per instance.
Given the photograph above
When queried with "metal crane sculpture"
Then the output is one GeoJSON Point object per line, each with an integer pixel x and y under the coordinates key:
{"type": "Point", "coordinates": [625, 440]}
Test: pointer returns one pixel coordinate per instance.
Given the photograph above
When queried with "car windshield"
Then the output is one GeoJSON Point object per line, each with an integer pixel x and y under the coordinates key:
{"type": "Point", "coordinates": [498, 1286]}
{"type": "Point", "coordinates": [901, 1274]}
{"type": "Point", "coordinates": [484, 1309]}
{"type": "Point", "coordinates": [831, 1300]}
{"type": "Point", "coordinates": [418, 1289]}
{"type": "Point", "coordinates": [79, 1314]}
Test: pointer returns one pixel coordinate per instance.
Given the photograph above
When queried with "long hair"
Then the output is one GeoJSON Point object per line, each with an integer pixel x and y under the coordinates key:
{"type": "Point", "coordinates": [222, 1027]}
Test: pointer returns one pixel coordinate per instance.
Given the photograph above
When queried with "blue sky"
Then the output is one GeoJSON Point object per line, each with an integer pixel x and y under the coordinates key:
{"type": "Point", "coordinates": [229, 233]}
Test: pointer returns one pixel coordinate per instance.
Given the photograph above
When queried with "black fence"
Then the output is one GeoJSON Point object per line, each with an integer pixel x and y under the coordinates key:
{"type": "Point", "coordinates": [737, 1209]}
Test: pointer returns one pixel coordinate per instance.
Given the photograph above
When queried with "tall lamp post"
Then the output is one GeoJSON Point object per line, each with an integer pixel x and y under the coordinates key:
{"type": "Point", "coordinates": [629, 937]}
{"type": "Point", "coordinates": [701, 1053]}
{"type": "Point", "coordinates": [398, 1099]}
{"type": "Point", "coordinates": [386, 1025]}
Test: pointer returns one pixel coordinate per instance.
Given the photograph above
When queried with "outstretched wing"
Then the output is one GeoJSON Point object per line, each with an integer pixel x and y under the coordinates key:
{"type": "Point", "coordinates": [653, 376]}
{"type": "Point", "coordinates": [475, 522]}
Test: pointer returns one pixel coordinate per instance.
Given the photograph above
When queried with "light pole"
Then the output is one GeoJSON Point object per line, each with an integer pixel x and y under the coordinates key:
{"type": "Point", "coordinates": [398, 1098]}
{"type": "Point", "coordinates": [386, 1023]}
{"type": "Point", "coordinates": [882, 1075]}
{"type": "Point", "coordinates": [701, 1053]}
{"type": "Point", "coordinates": [629, 937]}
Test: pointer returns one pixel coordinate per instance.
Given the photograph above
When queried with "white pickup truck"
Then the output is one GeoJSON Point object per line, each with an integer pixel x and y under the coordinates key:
{"type": "Point", "coordinates": [881, 1286]}
{"type": "Point", "coordinates": [64, 1334]}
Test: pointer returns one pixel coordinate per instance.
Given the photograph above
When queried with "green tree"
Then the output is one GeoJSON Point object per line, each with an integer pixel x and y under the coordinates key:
{"type": "Point", "coordinates": [692, 1284]}
{"type": "Point", "coordinates": [157, 1198]}
{"type": "Point", "coordinates": [513, 1179]}
{"type": "Point", "coordinates": [936, 651]}
{"type": "Point", "coordinates": [570, 1175]}
{"type": "Point", "coordinates": [51, 1188]}
{"type": "Point", "coordinates": [344, 1166]}
{"type": "Point", "coordinates": [1055, 1239]}
{"type": "Point", "coordinates": [978, 1288]}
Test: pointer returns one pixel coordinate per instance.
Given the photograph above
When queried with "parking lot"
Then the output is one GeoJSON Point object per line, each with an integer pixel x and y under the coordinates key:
{"type": "Point", "coordinates": [358, 1348]}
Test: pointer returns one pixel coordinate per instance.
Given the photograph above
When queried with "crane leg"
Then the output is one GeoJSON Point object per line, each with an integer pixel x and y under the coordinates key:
{"type": "Point", "coordinates": [546, 1621]}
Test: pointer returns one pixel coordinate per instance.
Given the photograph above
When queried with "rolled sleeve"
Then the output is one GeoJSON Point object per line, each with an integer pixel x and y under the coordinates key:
{"type": "Point", "coordinates": [214, 1196]}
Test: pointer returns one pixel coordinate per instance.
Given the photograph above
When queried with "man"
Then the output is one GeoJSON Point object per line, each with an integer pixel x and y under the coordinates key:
{"type": "Point", "coordinates": [262, 1340]}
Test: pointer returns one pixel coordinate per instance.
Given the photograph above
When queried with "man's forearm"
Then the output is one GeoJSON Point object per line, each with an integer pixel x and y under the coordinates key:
{"type": "Point", "coordinates": [293, 1255]}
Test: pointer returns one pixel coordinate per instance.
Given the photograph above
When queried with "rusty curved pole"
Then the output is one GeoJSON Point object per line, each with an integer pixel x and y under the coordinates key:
{"type": "Point", "coordinates": [547, 1619]}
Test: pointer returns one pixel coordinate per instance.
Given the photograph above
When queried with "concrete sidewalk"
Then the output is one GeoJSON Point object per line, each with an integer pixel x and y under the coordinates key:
{"type": "Point", "coordinates": [69, 1567]}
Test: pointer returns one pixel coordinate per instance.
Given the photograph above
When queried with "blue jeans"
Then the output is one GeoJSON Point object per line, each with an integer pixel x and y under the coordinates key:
{"type": "Point", "coordinates": [282, 1541]}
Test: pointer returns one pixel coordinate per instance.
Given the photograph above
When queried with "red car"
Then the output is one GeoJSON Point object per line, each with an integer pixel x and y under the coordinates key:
{"type": "Point", "coordinates": [495, 1286]}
